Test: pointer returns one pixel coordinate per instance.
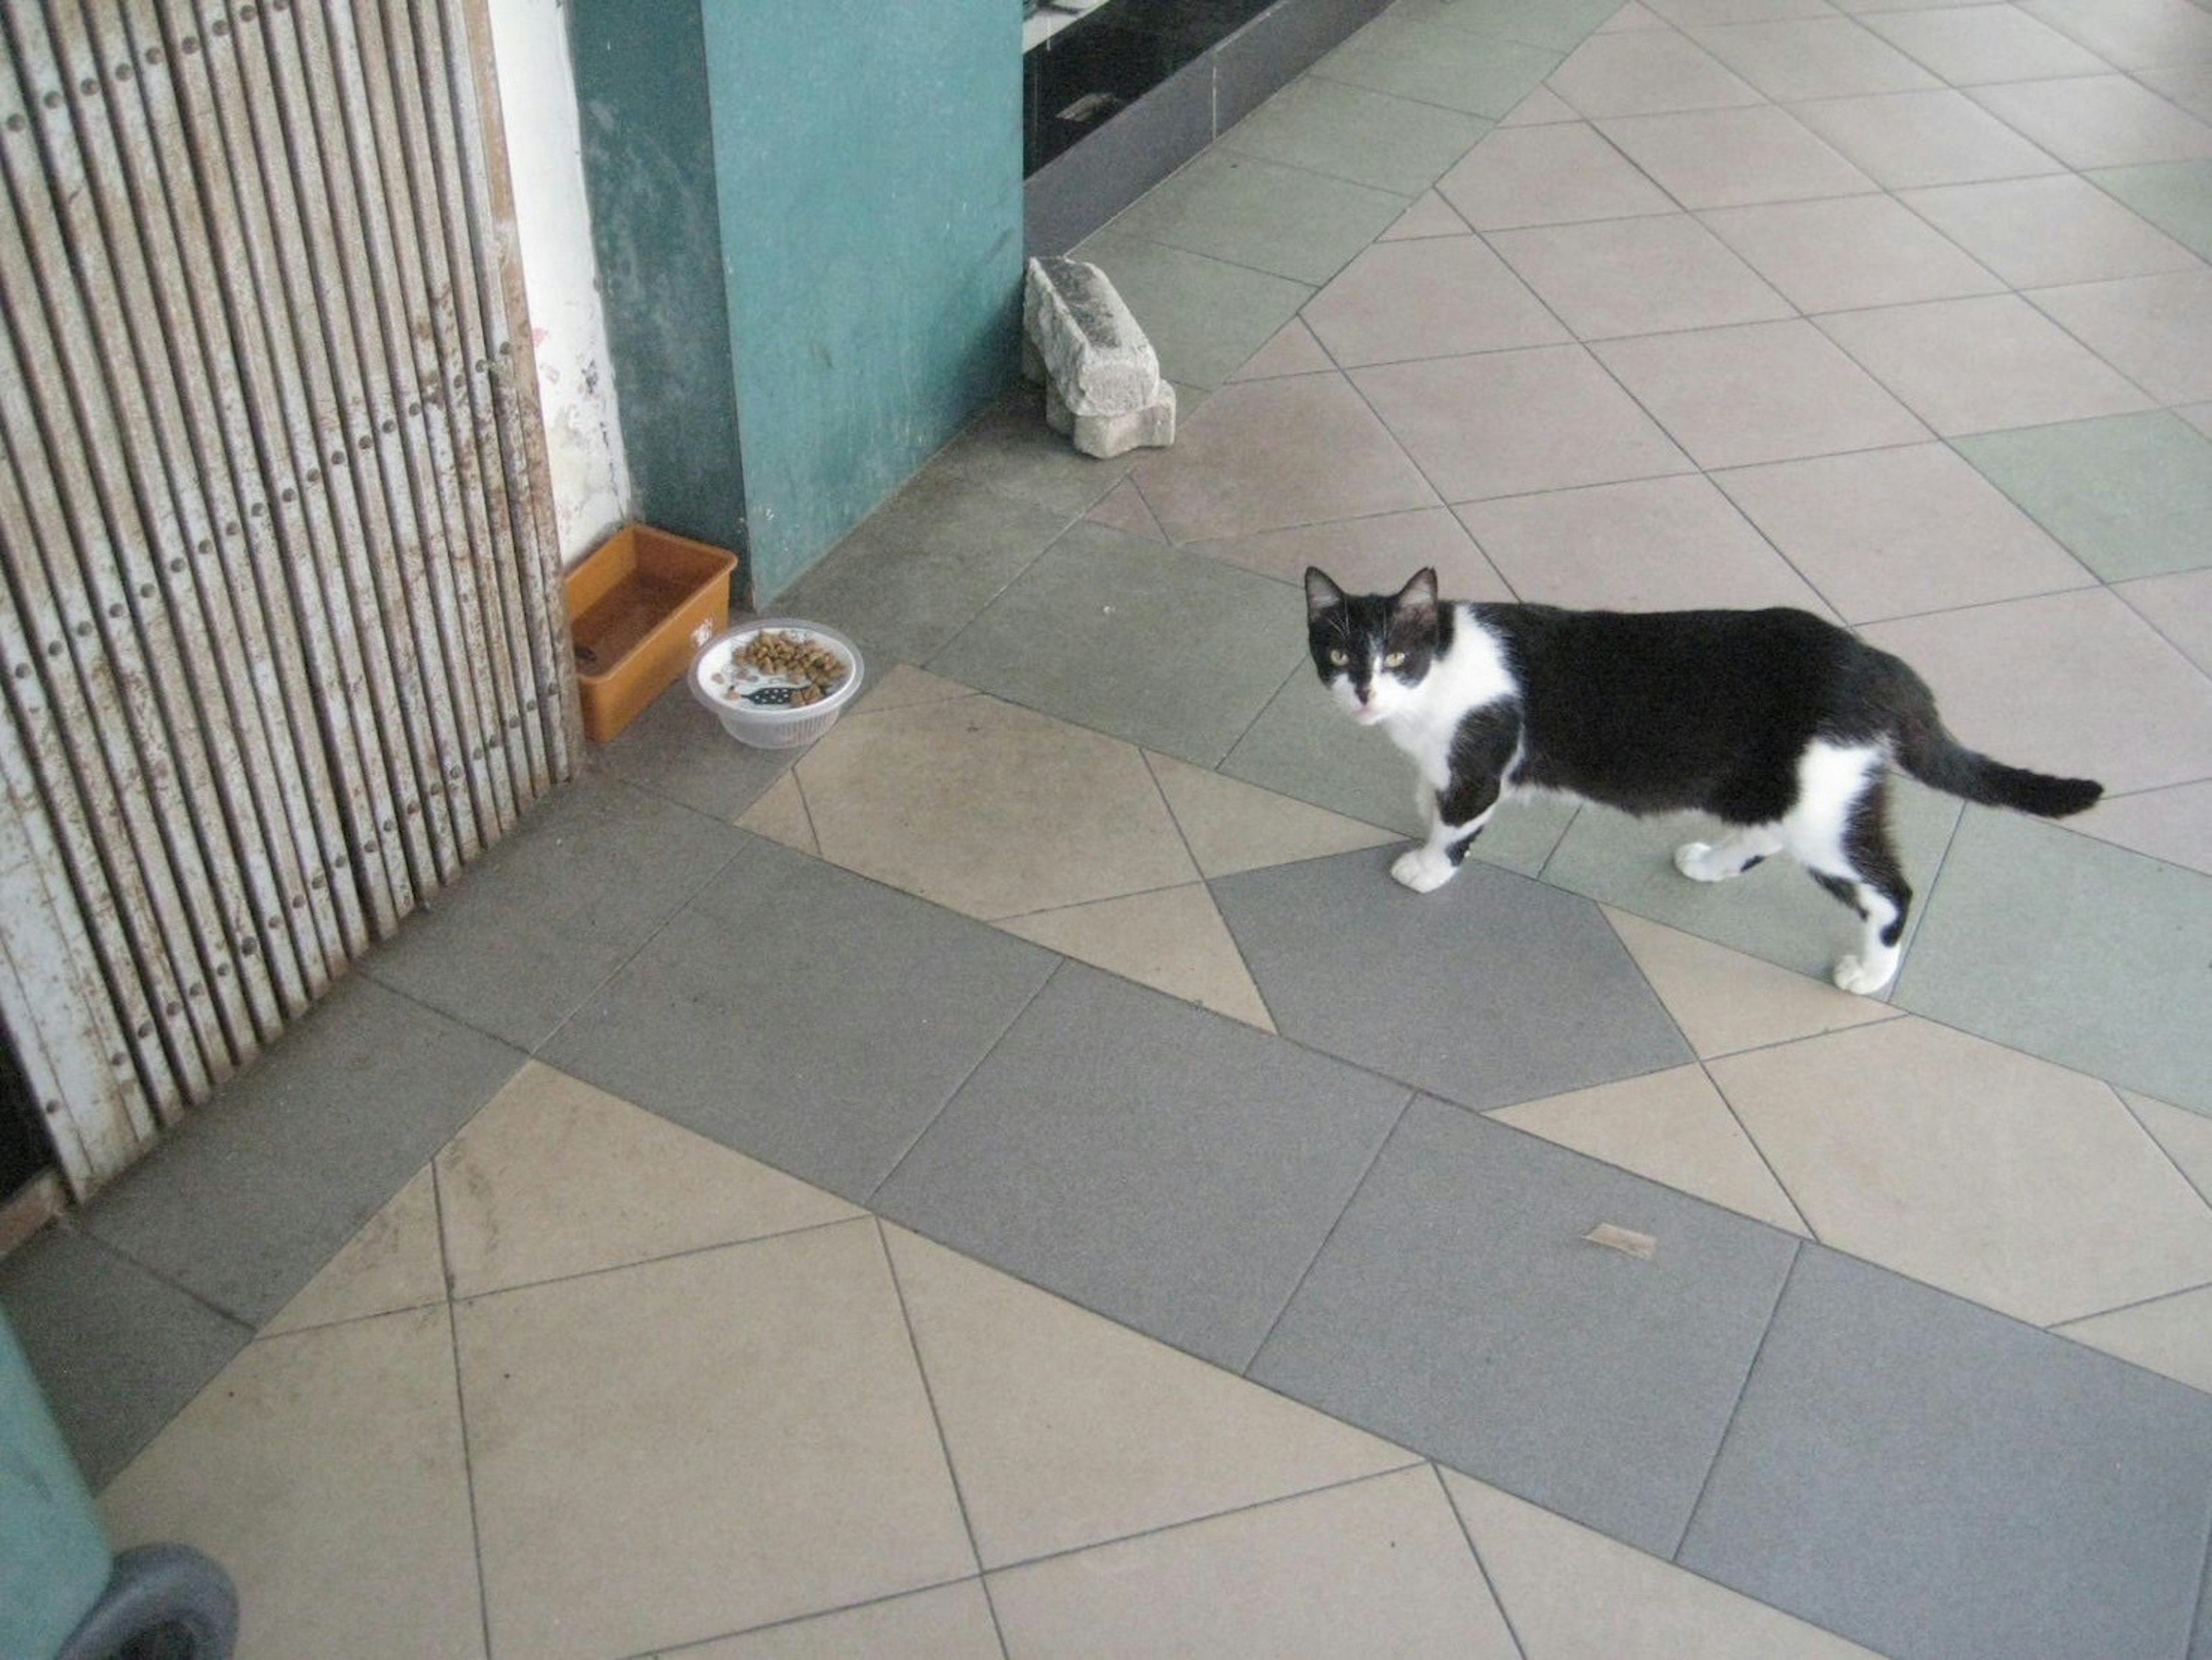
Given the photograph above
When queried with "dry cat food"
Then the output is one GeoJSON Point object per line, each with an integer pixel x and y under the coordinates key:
{"type": "Point", "coordinates": [781, 668]}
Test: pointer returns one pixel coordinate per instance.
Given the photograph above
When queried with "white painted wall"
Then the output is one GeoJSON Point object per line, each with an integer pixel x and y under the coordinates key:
{"type": "Point", "coordinates": [575, 377]}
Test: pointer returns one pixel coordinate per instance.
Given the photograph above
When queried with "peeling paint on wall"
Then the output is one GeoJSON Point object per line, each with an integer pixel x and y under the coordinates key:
{"type": "Point", "coordinates": [575, 379]}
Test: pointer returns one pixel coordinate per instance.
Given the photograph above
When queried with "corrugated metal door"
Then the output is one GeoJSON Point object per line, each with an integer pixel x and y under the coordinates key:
{"type": "Point", "coordinates": [281, 633]}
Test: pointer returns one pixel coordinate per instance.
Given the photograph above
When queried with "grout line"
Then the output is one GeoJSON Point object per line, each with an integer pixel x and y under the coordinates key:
{"type": "Point", "coordinates": [1774, 1175]}
{"type": "Point", "coordinates": [1781, 1295]}
{"type": "Point", "coordinates": [1489, 1580]}
{"type": "Point", "coordinates": [937, 1418]}
{"type": "Point", "coordinates": [460, 1401]}
{"type": "Point", "coordinates": [1351, 1197]}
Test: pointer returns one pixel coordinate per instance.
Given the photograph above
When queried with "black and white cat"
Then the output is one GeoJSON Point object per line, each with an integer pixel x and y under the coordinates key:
{"type": "Point", "coordinates": [1782, 726]}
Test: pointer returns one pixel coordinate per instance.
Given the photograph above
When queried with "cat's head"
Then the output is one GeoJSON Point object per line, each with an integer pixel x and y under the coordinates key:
{"type": "Point", "coordinates": [1373, 650]}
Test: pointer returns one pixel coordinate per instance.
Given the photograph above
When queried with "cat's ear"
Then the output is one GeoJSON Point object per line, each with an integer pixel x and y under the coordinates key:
{"type": "Point", "coordinates": [1322, 594]}
{"type": "Point", "coordinates": [1417, 600]}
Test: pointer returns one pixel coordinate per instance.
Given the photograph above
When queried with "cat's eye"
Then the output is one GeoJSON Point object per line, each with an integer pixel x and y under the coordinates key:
{"type": "Point", "coordinates": [1396, 659]}
{"type": "Point", "coordinates": [1339, 657]}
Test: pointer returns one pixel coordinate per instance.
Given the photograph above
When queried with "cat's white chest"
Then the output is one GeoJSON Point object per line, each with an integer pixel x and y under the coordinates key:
{"type": "Point", "coordinates": [1472, 675]}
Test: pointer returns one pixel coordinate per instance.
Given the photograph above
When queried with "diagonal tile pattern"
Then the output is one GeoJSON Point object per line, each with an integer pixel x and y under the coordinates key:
{"type": "Point", "coordinates": [563, 1196]}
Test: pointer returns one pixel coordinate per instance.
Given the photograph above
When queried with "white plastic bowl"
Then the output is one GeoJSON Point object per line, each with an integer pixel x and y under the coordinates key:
{"type": "Point", "coordinates": [719, 682]}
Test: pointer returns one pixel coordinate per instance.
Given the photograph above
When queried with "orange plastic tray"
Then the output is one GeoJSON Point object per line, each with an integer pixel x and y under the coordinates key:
{"type": "Point", "coordinates": [640, 606]}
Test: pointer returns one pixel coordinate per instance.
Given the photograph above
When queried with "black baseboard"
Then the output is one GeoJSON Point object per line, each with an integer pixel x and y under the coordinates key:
{"type": "Point", "coordinates": [1170, 92]}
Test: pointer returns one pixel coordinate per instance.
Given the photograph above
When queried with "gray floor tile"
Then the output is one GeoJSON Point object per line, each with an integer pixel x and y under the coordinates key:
{"type": "Point", "coordinates": [1286, 221]}
{"type": "Point", "coordinates": [252, 1193]}
{"type": "Point", "coordinates": [1204, 316]}
{"type": "Point", "coordinates": [1171, 1169]}
{"type": "Point", "coordinates": [1351, 132]}
{"type": "Point", "coordinates": [1010, 448]}
{"type": "Point", "coordinates": [1420, 57]}
{"type": "Point", "coordinates": [2072, 949]}
{"type": "Point", "coordinates": [1303, 746]}
{"type": "Point", "coordinates": [802, 1015]}
{"type": "Point", "coordinates": [527, 932]}
{"type": "Point", "coordinates": [915, 572]}
{"type": "Point", "coordinates": [1774, 912]}
{"type": "Point", "coordinates": [1935, 1480]}
{"type": "Point", "coordinates": [1559, 25]}
{"type": "Point", "coordinates": [116, 1351]}
{"type": "Point", "coordinates": [1172, 650]}
{"type": "Point", "coordinates": [2130, 495]}
{"type": "Point", "coordinates": [1459, 1311]}
{"type": "Point", "coordinates": [2175, 196]}
{"type": "Point", "coordinates": [677, 750]}
{"type": "Point", "coordinates": [1493, 990]}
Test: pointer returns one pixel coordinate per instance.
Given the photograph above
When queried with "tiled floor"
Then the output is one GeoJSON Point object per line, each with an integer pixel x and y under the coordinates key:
{"type": "Point", "coordinates": [1018, 1179]}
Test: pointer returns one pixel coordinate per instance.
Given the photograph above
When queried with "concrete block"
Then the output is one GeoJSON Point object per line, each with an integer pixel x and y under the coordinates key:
{"type": "Point", "coordinates": [1100, 371]}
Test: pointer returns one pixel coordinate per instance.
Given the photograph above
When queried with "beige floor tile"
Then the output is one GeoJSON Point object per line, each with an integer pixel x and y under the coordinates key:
{"type": "Point", "coordinates": [1575, 1595]}
{"type": "Point", "coordinates": [1613, 74]}
{"type": "Point", "coordinates": [949, 1622]}
{"type": "Point", "coordinates": [1971, 45]}
{"type": "Point", "coordinates": [1430, 216]}
{"type": "Point", "coordinates": [1066, 1430]}
{"type": "Point", "coordinates": [781, 815]}
{"type": "Point", "coordinates": [2153, 329]}
{"type": "Point", "coordinates": [2075, 684]}
{"type": "Point", "coordinates": [1543, 106]}
{"type": "Point", "coordinates": [992, 810]}
{"type": "Point", "coordinates": [394, 1262]}
{"type": "Point", "coordinates": [1763, 392]}
{"type": "Point", "coordinates": [2000, 1177]}
{"type": "Point", "coordinates": [2133, 35]}
{"type": "Point", "coordinates": [1123, 508]}
{"type": "Point", "coordinates": [1292, 352]}
{"type": "Point", "coordinates": [1642, 276]}
{"type": "Point", "coordinates": [1733, 157]}
{"type": "Point", "coordinates": [1849, 250]}
{"type": "Point", "coordinates": [2174, 824]}
{"type": "Point", "coordinates": [1982, 364]}
{"type": "Point", "coordinates": [1907, 138]}
{"type": "Point", "coordinates": [2040, 233]}
{"type": "Point", "coordinates": [1376, 555]}
{"type": "Point", "coordinates": [902, 686]}
{"type": "Point", "coordinates": [2098, 121]}
{"type": "Point", "coordinates": [698, 1446]}
{"type": "Point", "coordinates": [1672, 1126]}
{"type": "Point", "coordinates": [2186, 1136]}
{"type": "Point", "coordinates": [2179, 607]}
{"type": "Point", "coordinates": [1813, 58]}
{"type": "Point", "coordinates": [1427, 299]}
{"type": "Point", "coordinates": [554, 1178]}
{"type": "Point", "coordinates": [2171, 1336]}
{"type": "Point", "coordinates": [324, 1471]}
{"type": "Point", "coordinates": [1725, 1001]}
{"type": "Point", "coordinates": [1377, 1567]}
{"type": "Point", "coordinates": [1894, 532]}
{"type": "Point", "coordinates": [1545, 175]}
{"type": "Point", "coordinates": [1652, 544]}
{"type": "Point", "coordinates": [1173, 940]}
{"type": "Point", "coordinates": [1234, 826]}
{"type": "Point", "coordinates": [1269, 453]}
{"type": "Point", "coordinates": [1503, 422]}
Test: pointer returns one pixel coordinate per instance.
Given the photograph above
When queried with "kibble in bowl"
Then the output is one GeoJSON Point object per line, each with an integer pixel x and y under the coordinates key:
{"type": "Point", "coordinates": [777, 684]}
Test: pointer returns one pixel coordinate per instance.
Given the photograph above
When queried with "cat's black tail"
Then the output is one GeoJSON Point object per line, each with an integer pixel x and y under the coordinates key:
{"type": "Point", "coordinates": [1929, 752]}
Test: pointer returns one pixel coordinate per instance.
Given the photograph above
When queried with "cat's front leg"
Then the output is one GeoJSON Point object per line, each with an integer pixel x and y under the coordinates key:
{"type": "Point", "coordinates": [1456, 818]}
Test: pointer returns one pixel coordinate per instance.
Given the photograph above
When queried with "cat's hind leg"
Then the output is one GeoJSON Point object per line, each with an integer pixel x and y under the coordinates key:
{"type": "Point", "coordinates": [1732, 855]}
{"type": "Point", "coordinates": [1846, 847]}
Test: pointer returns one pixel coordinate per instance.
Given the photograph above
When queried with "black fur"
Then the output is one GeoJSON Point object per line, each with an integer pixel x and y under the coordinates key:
{"type": "Point", "coordinates": [1670, 711]}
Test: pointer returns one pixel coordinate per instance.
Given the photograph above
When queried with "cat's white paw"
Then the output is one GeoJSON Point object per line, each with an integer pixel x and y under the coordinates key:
{"type": "Point", "coordinates": [1865, 979]}
{"type": "Point", "coordinates": [1695, 860]}
{"type": "Point", "coordinates": [1421, 870]}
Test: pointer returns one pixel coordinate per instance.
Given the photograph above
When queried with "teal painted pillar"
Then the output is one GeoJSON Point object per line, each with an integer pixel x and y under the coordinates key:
{"type": "Point", "coordinates": [868, 169]}
{"type": "Point", "coordinates": [642, 99]}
